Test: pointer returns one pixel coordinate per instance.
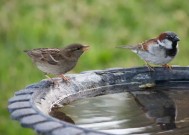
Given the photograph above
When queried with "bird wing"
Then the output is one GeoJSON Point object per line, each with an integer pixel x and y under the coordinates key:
{"type": "Point", "coordinates": [51, 56]}
{"type": "Point", "coordinates": [145, 45]}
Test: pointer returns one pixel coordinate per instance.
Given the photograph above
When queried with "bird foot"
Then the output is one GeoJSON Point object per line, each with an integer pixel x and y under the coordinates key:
{"type": "Point", "coordinates": [64, 78]}
{"type": "Point", "coordinates": [150, 68]}
{"type": "Point", "coordinates": [167, 66]}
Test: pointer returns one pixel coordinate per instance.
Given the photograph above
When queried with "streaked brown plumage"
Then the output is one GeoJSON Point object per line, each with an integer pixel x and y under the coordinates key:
{"type": "Point", "coordinates": [57, 61]}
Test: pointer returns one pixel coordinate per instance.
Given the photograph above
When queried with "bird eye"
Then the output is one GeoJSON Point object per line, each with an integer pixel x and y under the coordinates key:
{"type": "Point", "coordinates": [169, 37]}
{"type": "Point", "coordinates": [76, 49]}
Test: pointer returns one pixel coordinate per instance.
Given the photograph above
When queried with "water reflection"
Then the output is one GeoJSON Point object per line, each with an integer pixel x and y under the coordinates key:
{"type": "Point", "coordinates": [158, 107]}
{"type": "Point", "coordinates": [57, 113]}
{"type": "Point", "coordinates": [144, 112]}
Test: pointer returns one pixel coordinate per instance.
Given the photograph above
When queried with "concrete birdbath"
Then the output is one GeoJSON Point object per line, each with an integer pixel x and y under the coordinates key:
{"type": "Point", "coordinates": [33, 105]}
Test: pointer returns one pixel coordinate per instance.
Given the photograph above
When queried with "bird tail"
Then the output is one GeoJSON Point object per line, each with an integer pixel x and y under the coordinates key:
{"type": "Point", "coordinates": [26, 51]}
{"type": "Point", "coordinates": [126, 47]}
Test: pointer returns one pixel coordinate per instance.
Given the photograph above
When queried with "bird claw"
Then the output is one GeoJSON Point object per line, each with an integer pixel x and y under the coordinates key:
{"type": "Point", "coordinates": [150, 68]}
{"type": "Point", "coordinates": [167, 66]}
{"type": "Point", "coordinates": [64, 78]}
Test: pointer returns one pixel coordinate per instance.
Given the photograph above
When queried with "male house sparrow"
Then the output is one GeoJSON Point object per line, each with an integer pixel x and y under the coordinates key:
{"type": "Point", "coordinates": [57, 61]}
{"type": "Point", "coordinates": [159, 51]}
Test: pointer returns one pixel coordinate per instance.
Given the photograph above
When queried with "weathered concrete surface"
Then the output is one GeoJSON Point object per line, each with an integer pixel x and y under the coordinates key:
{"type": "Point", "coordinates": [31, 105]}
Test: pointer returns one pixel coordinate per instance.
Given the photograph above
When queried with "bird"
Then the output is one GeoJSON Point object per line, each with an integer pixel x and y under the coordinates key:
{"type": "Point", "coordinates": [57, 61]}
{"type": "Point", "coordinates": [158, 51]}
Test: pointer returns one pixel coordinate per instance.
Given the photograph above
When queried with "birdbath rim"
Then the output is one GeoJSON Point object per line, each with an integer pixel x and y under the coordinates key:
{"type": "Point", "coordinates": [31, 105]}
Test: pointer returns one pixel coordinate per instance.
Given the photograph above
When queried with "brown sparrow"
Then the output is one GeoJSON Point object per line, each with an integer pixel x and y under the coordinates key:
{"type": "Point", "coordinates": [57, 61]}
{"type": "Point", "coordinates": [159, 51]}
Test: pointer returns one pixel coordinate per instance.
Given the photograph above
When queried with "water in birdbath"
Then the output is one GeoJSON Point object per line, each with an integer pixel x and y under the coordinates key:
{"type": "Point", "coordinates": [144, 112]}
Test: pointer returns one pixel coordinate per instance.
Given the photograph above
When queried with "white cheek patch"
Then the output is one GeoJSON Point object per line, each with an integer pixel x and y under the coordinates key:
{"type": "Point", "coordinates": [166, 43]}
{"type": "Point", "coordinates": [177, 46]}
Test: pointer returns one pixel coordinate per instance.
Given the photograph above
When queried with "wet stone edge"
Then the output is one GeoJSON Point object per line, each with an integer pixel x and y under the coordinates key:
{"type": "Point", "coordinates": [22, 106]}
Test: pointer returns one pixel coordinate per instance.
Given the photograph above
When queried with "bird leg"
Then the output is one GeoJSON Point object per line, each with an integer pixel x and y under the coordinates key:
{"type": "Point", "coordinates": [149, 66]}
{"type": "Point", "coordinates": [167, 66]}
{"type": "Point", "coordinates": [49, 78]}
{"type": "Point", "coordinates": [66, 79]}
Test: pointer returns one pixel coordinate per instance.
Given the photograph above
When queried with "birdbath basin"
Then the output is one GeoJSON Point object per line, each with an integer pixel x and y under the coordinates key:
{"type": "Point", "coordinates": [33, 106]}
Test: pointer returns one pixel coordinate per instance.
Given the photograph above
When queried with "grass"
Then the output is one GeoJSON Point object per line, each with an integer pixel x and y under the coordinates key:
{"type": "Point", "coordinates": [103, 24]}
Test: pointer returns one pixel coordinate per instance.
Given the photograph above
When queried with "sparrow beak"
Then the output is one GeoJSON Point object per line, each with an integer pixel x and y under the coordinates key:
{"type": "Point", "coordinates": [176, 38]}
{"type": "Point", "coordinates": [85, 48]}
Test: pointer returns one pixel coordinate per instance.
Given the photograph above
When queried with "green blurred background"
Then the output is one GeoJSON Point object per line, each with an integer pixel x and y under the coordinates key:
{"type": "Point", "coordinates": [102, 24]}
